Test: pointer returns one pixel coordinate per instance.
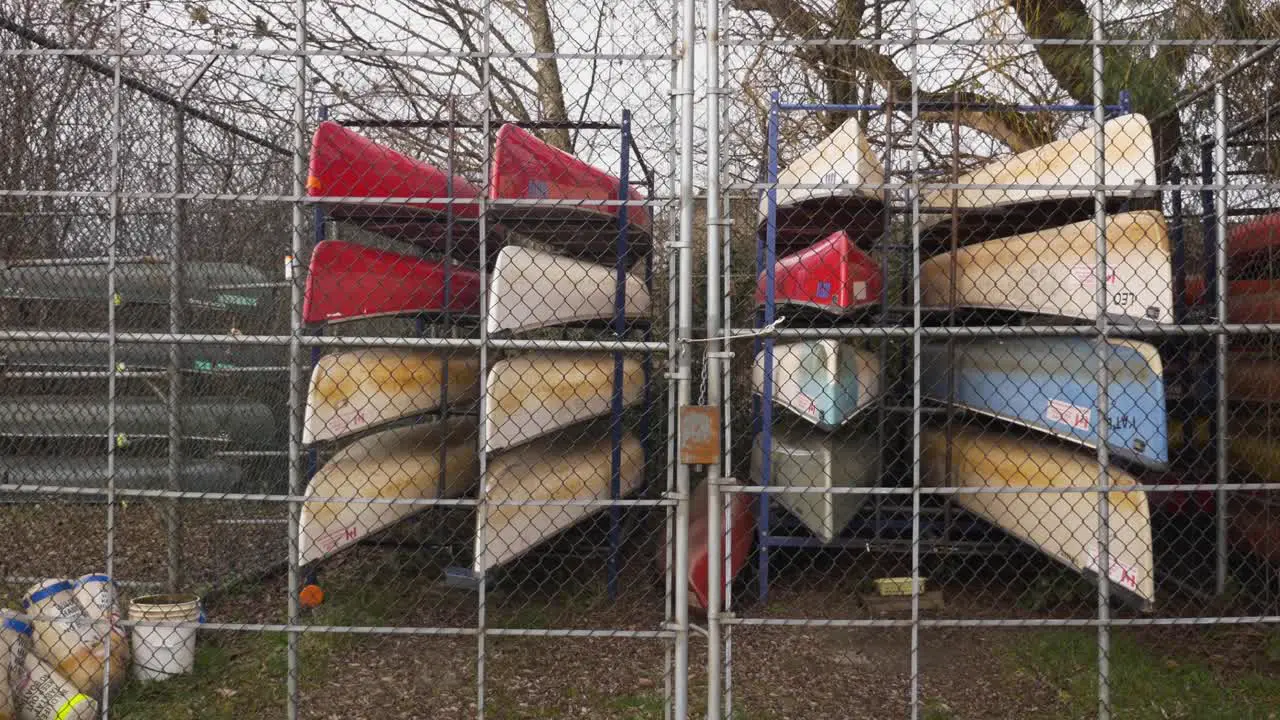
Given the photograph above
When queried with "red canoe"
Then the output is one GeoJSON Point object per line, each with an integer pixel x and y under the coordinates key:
{"type": "Point", "coordinates": [1248, 301]}
{"type": "Point", "coordinates": [348, 165]}
{"type": "Point", "coordinates": [832, 275]}
{"type": "Point", "coordinates": [526, 168]}
{"type": "Point", "coordinates": [348, 282]}
{"type": "Point", "coordinates": [1195, 290]}
{"type": "Point", "coordinates": [738, 545]}
{"type": "Point", "coordinates": [1251, 238]}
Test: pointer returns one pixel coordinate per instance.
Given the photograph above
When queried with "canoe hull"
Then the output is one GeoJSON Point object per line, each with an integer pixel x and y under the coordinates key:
{"type": "Point", "coordinates": [526, 168]}
{"type": "Point", "coordinates": [833, 276]}
{"type": "Point", "coordinates": [92, 356]}
{"type": "Point", "coordinates": [824, 381]}
{"type": "Point", "coordinates": [805, 460]}
{"type": "Point", "coordinates": [1052, 272]}
{"type": "Point", "coordinates": [535, 394]}
{"type": "Point", "coordinates": [344, 163]}
{"type": "Point", "coordinates": [531, 289]}
{"type": "Point", "coordinates": [735, 544]}
{"type": "Point", "coordinates": [1062, 525]}
{"type": "Point", "coordinates": [215, 419]}
{"type": "Point", "coordinates": [1247, 240]}
{"type": "Point", "coordinates": [557, 468]}
{"type": "Point", "coordinates": [845, 163]}
{"type": "Point", "coordinates": [402, 463]}
{"type": "Point", "coordinates": [140, 284]}
{"type": "Point", "coordinates": [208, 476]}
{"type": "Point", "coordinates": [1050, 385]}
{"type": "Point", "coordinates": [352, 282]}
{"type": "Point", "coordinates": [354, 391]}
{"type": "Point", "coordinates": [1067, 163]}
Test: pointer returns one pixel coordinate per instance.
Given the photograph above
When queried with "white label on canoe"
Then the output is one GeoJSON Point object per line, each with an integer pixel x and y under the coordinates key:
{"type": "Point", "coordinates": [1087, 275]}
{"type": "Point", "coordinates": [1119, 573]}
{"type": "Point", "coordinates": [334, 538]}
{"type": "Point", "coordinates": [1061, 411]}
{"type": "Point", "coordinates": [859, 290]}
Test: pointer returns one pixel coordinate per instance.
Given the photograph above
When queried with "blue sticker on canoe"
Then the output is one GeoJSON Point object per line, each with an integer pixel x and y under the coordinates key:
{"type": "Point", "coordinates": [824, 290]}
{"type": "Point", "coordinates": [538, 189]}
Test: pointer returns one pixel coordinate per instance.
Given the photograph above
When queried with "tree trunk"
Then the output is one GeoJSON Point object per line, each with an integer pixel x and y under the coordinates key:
{"type": "Point", "coordinates": [550, 91]}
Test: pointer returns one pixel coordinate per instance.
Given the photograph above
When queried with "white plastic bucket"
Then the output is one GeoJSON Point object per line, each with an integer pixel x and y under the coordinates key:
{"type": "Point", "coordinates": [161, 652]}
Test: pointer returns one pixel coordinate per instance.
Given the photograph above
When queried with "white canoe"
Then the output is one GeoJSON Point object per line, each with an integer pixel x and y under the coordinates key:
{"type": "Point", "coordinates": [532, 289]}
{"type": "Point", "coordinates": [1062, 525]}
{"type": "Point", "coordinates": [844, 178]}
{"type": "Point", "coordinates": [1052, 272]}
{"type": "Point", "coordinates": [564, 467]}
{"type": "Point", "coordinates": [361, 389]}
{"type": "Point", "coordinates": [400, 463]}
{"type": "Point", "coordinates": [818, 460]}
{"type": "Point", "coordinates": [531, 395]}
{"type": "Point", "coordinates": [826, 382]}
{"type": "Point", "coordinates": [1067, 164]}
{"type": "Point", "coordinates": [842, 158]}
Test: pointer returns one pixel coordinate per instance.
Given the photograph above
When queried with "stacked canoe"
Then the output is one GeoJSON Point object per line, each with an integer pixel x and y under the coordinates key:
{"type": "Point", "coordinates": [63, 415]}
{"type": "Point", "coordinates": [555, 450]}
{"type": "Point", "coordinates": [1026, 253]}
{"type": "Point", "coordinates": [1252, 296]}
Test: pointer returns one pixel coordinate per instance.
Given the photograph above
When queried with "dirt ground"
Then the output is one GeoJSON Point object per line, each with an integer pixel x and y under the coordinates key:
{"type": "Point", "coordinates": [814, 672]}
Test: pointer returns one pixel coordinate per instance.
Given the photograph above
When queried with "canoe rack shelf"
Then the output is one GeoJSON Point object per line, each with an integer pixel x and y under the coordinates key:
{"type": "Point", "coordinates": [469, 229]}
{"type": "Point", "coordinates": [885, 420]}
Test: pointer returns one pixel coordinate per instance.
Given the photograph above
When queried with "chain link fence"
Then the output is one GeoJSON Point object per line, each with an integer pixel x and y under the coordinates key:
{"type": "Point", "coordinates": [357, 359]}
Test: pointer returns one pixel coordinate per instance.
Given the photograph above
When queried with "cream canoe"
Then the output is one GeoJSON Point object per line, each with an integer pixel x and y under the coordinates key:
{"type": "Point", "coordinates": [531, 395]}
{"type": "Point", "coordinates": [826, 382]}
{"type": "Point", "coordinates": [402, 463]}
{"type": "Point", "coordinates": [803, 460]}
{"type": "Point", "coordinates": [532, 289]}
{"type": "Point", "coordinates": [851, 200]}
{"type": "Point", "coordinates": [565, 467]}
{"type": "Point", "coordinates": [1052, 272]}
{"type": "Point", "coordinates": [1067, 164]}
{"type": "Point", "coordinates": [361, 389]}
{"type": "Point", "coordinates": [1062, 525]}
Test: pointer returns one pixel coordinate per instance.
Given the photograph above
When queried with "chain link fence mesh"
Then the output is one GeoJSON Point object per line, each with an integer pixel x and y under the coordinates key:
{"type": "Point", "coordinates": [343, 347]}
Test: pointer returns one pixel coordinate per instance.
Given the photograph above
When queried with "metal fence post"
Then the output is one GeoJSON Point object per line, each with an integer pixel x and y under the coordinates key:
{"type": "Point", "coordinates": [715, 352]}
{"type": "Point", "coordinates": [1102, 348]}
{"type": "Point", "coordinates": [684, 367]}
{"type": "Point", "coordinates": [1220, 357]}
{"type": "Point", "coordinates": [297, 397]}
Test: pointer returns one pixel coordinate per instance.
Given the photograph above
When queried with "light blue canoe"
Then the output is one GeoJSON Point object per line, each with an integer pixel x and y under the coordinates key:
{"type": "Point", "coordinates": [823, 381]}
{"type": "Point", "coordinates": [1050, 384]}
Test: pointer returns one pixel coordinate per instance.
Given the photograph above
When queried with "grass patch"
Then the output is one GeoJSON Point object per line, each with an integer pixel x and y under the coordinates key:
{"type": "Point", "coordinates": [636, 707]}
{"type": "Point", "coordinates": [235, 676]}
{"type": "Point", "coordinates": [1144, 684]}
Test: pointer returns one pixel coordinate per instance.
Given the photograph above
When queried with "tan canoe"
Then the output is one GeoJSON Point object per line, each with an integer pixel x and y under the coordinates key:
{"type": "Point", "coordinates": [816, 459]}
{"type": "Point", "coordinates": [844, 158]}
{"type": "Point", "coordinates": [1052, 271]}
{"type": "Point", "coordinates": [399, 463]}
{"type": "Point", "coordinates": [535, 394]}
{"type": "Point", "coordinates": [530, 289]}
{"type": "Point", "coordinates": [565, 467]}
{"type": "Point", "coordinates": [361, 389]}
{"type": "Point", "coordinates": [1067, 163]}
{"type": "Point", "coordinates": [1062, 525]}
